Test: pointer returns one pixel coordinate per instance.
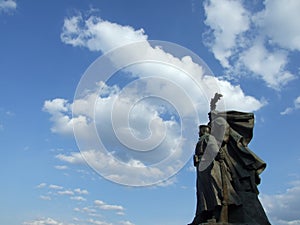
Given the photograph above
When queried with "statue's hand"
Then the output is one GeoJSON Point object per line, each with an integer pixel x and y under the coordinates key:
{"type": "Point", "coordinates": [221, 155]}
{"type": "Point", "coordinates": [244, 142]}
{"type": "Point", "coordinates": [196, 160]}
{"type": "Point", "coordinates": [257, 179]}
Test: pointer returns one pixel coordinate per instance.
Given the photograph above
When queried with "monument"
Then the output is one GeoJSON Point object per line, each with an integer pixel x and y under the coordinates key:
{"type": "Point", "coordinates": [227, 170]}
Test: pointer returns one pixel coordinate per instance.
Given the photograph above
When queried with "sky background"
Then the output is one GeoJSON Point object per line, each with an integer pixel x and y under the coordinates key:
{"type": "Point", "coordinates": [252, 49]}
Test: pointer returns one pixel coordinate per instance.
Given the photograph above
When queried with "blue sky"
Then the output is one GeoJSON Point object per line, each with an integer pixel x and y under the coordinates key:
{"type": "Point", "coordinates": [48, 50]}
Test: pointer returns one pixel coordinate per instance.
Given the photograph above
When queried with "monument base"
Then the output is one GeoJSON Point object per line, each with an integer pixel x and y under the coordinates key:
{"type": "Point", "coordinates": [214, 222]}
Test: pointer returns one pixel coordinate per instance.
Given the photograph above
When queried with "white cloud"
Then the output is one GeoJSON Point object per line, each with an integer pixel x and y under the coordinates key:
{"type": "Point", "coordinates": [291, 109]}
{"type": "Point", "coordinates": [55, 187]}
{"type": "Point", "coordinates": [7, 6]}
{"type": "Point", "coordinates": [120, 213]}
{"type": "Point", "coordinates": [250, 43]}
{"type": "Point", "coordinates": [66, 192]}
{"type": "Point", "coordinates": [57, 108]}
{"type": "Point", "coordinates": [44, 221]}
{"type": "Point", "coordinates": [77, 209]}
{"type": "Point", "coordinates": [283, 209]}
{"type": "Point", "coordinates": [297, 103]}
{"type": "Point", "coordinates": [168, 182]}
{"type": "Point", "coordinates": [63, 123]}
{"type": "Point", "coordinates": [61, 167]}
{"type": "Point", "coordinates": [105, 206]}
{"type": "Point", "coordinates": [225, 31]}
{"type": "Point", "coordinates": [270, 66]}
{"type": "Point", "coordinates": [149, 127]}
{"type": "Point", "coordinates": [287, 111]}
{"type": "Point", "coordinates": [78, 198]}
{"type": "Point", "coordinates": [129, 35]}
{"type": "Point", "coordinates": [126, 222]}
{"type": "Point", "coordinates": [109, 163]}
{"type": "Point", "coordinates": [233, 96]}
{"type": "Point", "coordinates": [41, 185]}
{"type": "Point", "coordinates": [284, 222]}
{"type": "Point", "coordinates": [97, 34]}
{"type": "Point", "coordinates": [98, 222]}
{"type": "Point", "coordinates": [45, 197]}
{"type": "Point", "coordinates": [74, 158]}
{"type": "Point", "coordinates": [111, 167]}
{"type": "Point", "coordinates": [81, 192]}
{"type": "Point", "coordinates": [88, 210]}
{"type": "Point", "coordinates": [279, 21]}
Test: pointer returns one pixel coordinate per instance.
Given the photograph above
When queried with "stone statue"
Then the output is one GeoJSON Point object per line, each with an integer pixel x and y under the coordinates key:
{"type": "Point", "coordinates": [227, 171]}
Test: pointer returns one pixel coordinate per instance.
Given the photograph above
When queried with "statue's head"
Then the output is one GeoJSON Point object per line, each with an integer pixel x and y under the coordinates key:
{"type": "Point", "coordinates": [204, 129]}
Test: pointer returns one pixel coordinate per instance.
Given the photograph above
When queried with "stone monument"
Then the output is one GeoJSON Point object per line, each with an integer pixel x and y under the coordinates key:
{"type": "Point", "coordinates": [227, 170]}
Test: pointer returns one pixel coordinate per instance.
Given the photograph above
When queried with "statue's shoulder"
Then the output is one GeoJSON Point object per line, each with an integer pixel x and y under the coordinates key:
{"type": "Point", "coordinates": [207, 138]}
{"type": "Point", "coordinates": [204, 137]}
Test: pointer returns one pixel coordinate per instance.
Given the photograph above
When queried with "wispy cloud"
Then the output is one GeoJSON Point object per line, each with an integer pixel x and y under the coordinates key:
{"type": "Point", "coordinates": [85, 210]}
{"type": "Point", "coordinates": [283, 208]}
{"type": "Point", "coordinates": [97, 34]}
{"type": "Point", "coordinates": [41, 185]}
{"type": "Point", "coordinates": [105, 206]}
{"type": "Point", "coordinates": [55, 187]}
{"type": "Point", "coordinates": [7, 6]}
{"type": "Point", "coordinates": [73, 157]}
{"type": "Point", "coordinates": [78, 198]}
{"type": "Point", "coordinates": [65, 192]}
{"type": "Point", "coordinates": [45, 197]}
{"type": "Point", "coordinates": [291, 109]}
{"type": "Point", "coordinates": [226, 32]}
{"type": "Point", "coordinates": [44, 221]}
{"type": "Point", "coordinates": [250, 43]}
{"type": "Point", "coordinates": [126, 222]}
{"type": "Point", "coordinates": [80, 191]}
{"type": "Point", "coordinates": [89, 211]}
{"type": "Point", "coordinates": [98, 222]}
{"type": "Point", "coordinates": [61, 167]}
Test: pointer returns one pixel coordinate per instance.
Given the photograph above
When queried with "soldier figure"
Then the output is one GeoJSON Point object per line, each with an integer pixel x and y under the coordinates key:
{"type": "Point", "coordinates": [227, 170]}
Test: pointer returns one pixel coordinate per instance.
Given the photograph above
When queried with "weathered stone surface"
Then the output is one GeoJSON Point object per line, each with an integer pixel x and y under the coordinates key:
{"type": "Point", "coordinates": [227, 224]}
{"type": "Point", "coordinates": [227, 190]}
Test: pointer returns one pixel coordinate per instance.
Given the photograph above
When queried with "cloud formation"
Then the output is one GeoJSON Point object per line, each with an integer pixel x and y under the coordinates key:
{"type": "Point", "coordinates": [279, 21]}
{"type": "Point", "coordinates": [61, 167]}
{"type": "Point", "coordinates": [105, 206]}
{"type": "Point", "coordinates": [97, 34]}
{"type": "Point", "coordinates": [81, 31]}
{"type": "Point", "coordinates": [7, 6]}
{"type": "Point", "coordinates": [163, 93]}
{"type": "Point", "coordinates": [78, 198]}
{"type": "Point", "coordinates": [88, 209]}
{"type": "Point", "coordinates": [126, 223]}
{"type": "Point", "coordinates": [283, 209]}
{"type": "Point", "coordinates": [44, 221]}
{"type": "Point", "coordinates": [226, 32]}
{"type": "Point", "coordinates": [41, 185]}
{"type": "Point", "coordinates": [55, 187]}
{"type": "Point", "coordinates": [291, 109]}
{"type": "Point", "coordinates": [248, 43]}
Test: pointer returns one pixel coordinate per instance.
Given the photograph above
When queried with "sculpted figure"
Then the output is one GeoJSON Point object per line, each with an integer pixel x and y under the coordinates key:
{"type": "Point", "coordinates": [228, 171]}
{"type": "Point", "coordinates": [212, 176]}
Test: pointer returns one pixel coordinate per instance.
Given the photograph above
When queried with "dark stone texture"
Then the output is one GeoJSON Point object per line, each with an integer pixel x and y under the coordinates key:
{"type": "Point", "coordinates": [228, 171]}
